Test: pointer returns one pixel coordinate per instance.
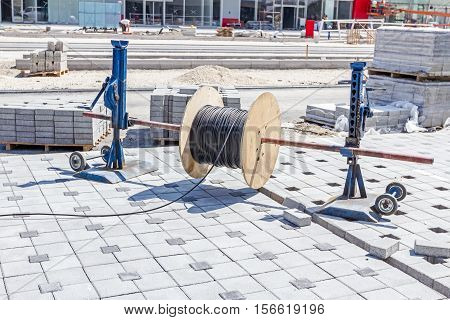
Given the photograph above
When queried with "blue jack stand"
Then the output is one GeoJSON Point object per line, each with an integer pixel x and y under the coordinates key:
{"type": "Point", "coordinates": [114, 90]}
{"type": "Point", "coordinates": [365, 207]}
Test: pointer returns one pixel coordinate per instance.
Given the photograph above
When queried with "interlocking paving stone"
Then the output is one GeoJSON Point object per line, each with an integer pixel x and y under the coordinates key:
{"type": "Point", "coordinates": [129, 276]}
{"type": "Point", "coordinates": [10, 184]}
{"type": "Point", "coordinates": [123, 189]}
{"type": "Point", "coordinates": [235, 234]}
{"type": "Point", "coordinates": [261, 209]}
{"type": "Point", "coordinates": [29, 234]}
{"type": "Point", "coordinates": [366, 272]}
{"type": "Point", "coordinates": [71, 193]}
{"type": "Point", "coordinates": [198, 266]}
{"type": "Point", "coordinates": [138, 204]}
{"type": "Point", "coordinates": [324, 246]}
{"type": "Point", "coordinates": [15, 198]}
{"type": "Point", "coordinates": [210, 215]}
{"type": "Point", "coordinates": [154, 221]}
{"type": "Point", "coordinates": [81, 209]}
{"type": "Point", "coordinates": [175, 241]}
{"type": "Point", "coordinates": [38, 258]}
{"type": "Point", "coordinates": [110, 249]}
{"type": "Point", "coordinates": [94, 227]}
{"type": "Point", "coordinates": [266, 256]}
{"type": "Point", "coordinates": [50, 287]}
{"type": "Point", "coordinates": [302, 283]}
{"type": "Point", "coordinates": [232, 295]}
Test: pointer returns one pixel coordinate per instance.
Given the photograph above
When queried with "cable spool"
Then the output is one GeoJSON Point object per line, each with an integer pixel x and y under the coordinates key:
{"type": "Point", "coordinates": [257, 160]}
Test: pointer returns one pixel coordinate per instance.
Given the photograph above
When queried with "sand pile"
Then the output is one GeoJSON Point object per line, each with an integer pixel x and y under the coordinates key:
{"type": "Point", "coordinates": [220, 76]}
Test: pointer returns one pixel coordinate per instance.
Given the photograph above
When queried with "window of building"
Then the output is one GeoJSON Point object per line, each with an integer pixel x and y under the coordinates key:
{"type": "Point", "coordinates": [248, 10]}
{"type": "Point", "coordinates": [175, 12]}
{"type": "Point", "coordinates": [314, 11]}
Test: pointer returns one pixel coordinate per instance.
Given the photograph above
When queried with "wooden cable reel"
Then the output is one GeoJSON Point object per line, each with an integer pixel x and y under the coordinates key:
{"type": "Point", "coordinates": [258, 159]}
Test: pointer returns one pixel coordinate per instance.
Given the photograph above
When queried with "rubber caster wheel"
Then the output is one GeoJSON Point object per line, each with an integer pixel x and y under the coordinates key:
{"type": "Point", "coordinates": [397, 190]}
{"type": "Point", "coordinates": [77, 162]}
{"type": "Point", "coordinates": [105, 153]}
{"type": "Point", "coordinates": [386, 204]}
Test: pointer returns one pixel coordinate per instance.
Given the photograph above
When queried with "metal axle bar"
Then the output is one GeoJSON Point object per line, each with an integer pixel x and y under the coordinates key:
{"type": "Point", "coordinates": [288, 143]}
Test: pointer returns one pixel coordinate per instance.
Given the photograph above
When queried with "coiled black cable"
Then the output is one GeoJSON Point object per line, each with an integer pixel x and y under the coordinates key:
{"type": "Point", "coordinates": [214, 129]}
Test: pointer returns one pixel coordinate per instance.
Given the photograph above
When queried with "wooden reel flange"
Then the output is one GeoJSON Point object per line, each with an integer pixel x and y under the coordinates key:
{"type": "Point", "coordinates": [257, 159]}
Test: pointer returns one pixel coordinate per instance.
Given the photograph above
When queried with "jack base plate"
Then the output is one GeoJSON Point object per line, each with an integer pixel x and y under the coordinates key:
{"type": "Point", "coordinates": [133, 169]}
{"type": "Point", "coordinates": [359, 209]}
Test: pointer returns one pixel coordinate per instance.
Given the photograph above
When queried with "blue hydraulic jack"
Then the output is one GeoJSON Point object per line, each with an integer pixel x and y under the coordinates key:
{"type": "Point", "coordinates": [114, 91]}
{"type": "Point", "coordinates": [366, 206]}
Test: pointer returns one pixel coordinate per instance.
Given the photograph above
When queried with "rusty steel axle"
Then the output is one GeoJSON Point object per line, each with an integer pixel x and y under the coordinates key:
{"type": "Point", "coordinates": [288, 143]}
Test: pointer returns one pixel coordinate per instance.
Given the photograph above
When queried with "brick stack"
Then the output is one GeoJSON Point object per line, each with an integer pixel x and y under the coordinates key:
{"type": "Point", "coordinates": [389, 117]}
{"type": "Point", "coordinates": [50, 124]}
{"type": "Point", "coordinates": [168, 104]}
{"type": "Point", "coordinates": [54, 59]}
{"type": "Point", "coordinates": [413, 64]}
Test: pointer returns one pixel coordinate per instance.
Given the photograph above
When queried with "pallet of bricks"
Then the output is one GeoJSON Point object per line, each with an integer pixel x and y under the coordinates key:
{"type": "Point", "coordinates": [413, 64]}
{"type": "Point", "coordinates": [167, 104]}
{"type": "Point", "coordinates": [52, 61]}
{"type": "Point", "coordinates": [51, 125]}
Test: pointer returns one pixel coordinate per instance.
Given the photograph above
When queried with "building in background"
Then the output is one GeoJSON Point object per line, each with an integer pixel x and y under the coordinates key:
{"type": "Point", "coordinates": [285, 14]}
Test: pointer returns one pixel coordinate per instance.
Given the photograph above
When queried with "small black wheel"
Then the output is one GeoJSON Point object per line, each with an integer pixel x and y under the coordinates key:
{"type": "Point", "coordinates": [105, 150]}
{"type": "Point", "coordinates": [397, 190]}
{"type": "Point", "coordinates": [77, 162]}
{"type": "Point", "coordinates": [386, 204]}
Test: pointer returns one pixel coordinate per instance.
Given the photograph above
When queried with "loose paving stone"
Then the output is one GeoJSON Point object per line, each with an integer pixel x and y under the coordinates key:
{"type": "Point", "coordinates": [324, 246]}
{"type": "Point", "coordinates": [297, 217]}
{"type": "Point", "coordinates": [154, 221]}
{"type": "Point", "coordinates": [235, 234]}
{"type": "Point", "coordinates": [110, 249]}
{"type": "Point", "coordinates": [302, 283]}
{"type": "Point", "coordinates": [198, 266]}
{"type": "Point", "coordinates": [29, 234]}
{"type": "Point", "coordinates": [366, 272]}
{"type": "Point", "coordinates": [50, 287]}
{"type": "Point", "coordinates": [129, 276]}
{"type": "Point", "coordinates": [138, 204]}
{"type": "Point", "coordinates": [432, 249]}
{"type": "Point", "coordinates": [38, 258]}
{"type": "Point", "coordinates": [383, 248]}
{"type": "Point", "coordinates": [266, 256]}
{"type": "Point", "coordinates": [232, 295]}
{"type": "Point", "coordinates": [94, 227]}
{"type": "Point", "coordinates": [261, 209]}
{"type": "Point", "coordinates": [123, 189]}
{"type": "Point", "coordinates": [176, 242]}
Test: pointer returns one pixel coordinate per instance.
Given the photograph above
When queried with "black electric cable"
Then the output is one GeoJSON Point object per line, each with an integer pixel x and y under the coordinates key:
{"type": "Point", "coordinates": [25, 215]}
{"type": "Point", "coordinates": [214, 129]}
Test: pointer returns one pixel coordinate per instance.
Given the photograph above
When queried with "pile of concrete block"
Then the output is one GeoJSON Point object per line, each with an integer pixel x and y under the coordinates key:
{"type": "Point", "coordinates": [431, 97]}
{"type": "Point", "coordinates": [54, 59]}
{"type": "Point", "coordinates": [413, 55]}
{"type": "Point", "coordinates": [55, 123]}
{"type": "Point", "coordinates": [392, 117]}
{"type": "Point", "coordinates": [167, 104]}
{"type": "Point", "coordinates": [413, 50]}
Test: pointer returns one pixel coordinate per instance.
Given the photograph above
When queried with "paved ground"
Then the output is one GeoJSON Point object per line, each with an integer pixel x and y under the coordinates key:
{"type": "Point", "coordinates": [425, 213]}
{"type": "Point", "coordinates": [226, 240]}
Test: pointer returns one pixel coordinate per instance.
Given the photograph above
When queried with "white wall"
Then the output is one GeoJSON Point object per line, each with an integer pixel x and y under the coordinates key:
{"type": "Point", "coordinates": [231, 9]}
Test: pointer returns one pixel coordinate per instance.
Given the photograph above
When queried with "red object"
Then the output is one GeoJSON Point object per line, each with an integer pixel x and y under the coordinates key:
{"type": "Point", "coordinates": [230, 22]}
{"type": "Point", "coordinates": [361, 9]}
{"type": "Point", "coordinates": [309, 26]}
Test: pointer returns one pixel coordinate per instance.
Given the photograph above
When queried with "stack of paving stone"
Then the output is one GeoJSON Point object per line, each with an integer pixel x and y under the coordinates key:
{"type": "Point", "coordinates": [413, 50]}
{"type": "Point", "coordinates": [388, 117]}
{"type": "Point", "coordinates": [167, 104]}
{"type": "Point", "coordinates": [52, 60]}
{"type": "Point", "coordinates": [413, 64]}
{"type": "Point", "coordinates": [52, 123]}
